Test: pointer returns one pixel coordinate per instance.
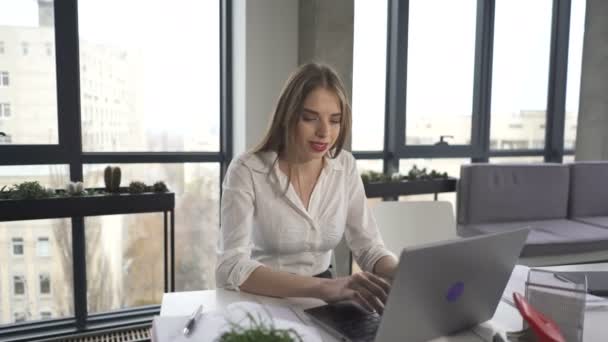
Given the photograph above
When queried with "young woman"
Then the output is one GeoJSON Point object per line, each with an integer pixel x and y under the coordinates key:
{"type": "Point", "coordinates": [287, 204]}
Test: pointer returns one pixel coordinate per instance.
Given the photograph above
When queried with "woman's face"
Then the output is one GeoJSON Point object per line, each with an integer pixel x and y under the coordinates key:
{"type": "Point", "coordinates": [319, 124]}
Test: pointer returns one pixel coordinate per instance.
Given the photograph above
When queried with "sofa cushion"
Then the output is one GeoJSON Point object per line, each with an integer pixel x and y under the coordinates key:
{"type": "Point", "coordinates": [548, 237]}
{"type": "Point", "coordinates": [512, 192]}
{"type": "Point", "coordinates": [588, 189]}
{"type": "Point", "coordinates": [598, 221]}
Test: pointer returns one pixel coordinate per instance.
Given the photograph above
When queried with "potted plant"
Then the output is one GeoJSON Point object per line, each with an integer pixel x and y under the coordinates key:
{"type": "Point", "coordinates": [416, 181]}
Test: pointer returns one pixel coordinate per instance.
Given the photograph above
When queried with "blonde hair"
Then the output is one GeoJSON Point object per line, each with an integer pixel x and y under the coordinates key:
{"type": "Point", "coordinates": [280, 135]}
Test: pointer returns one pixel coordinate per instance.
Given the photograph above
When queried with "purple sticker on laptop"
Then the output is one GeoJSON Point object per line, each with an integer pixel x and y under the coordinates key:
{"type": "Point", "coordinates": [455, 291]}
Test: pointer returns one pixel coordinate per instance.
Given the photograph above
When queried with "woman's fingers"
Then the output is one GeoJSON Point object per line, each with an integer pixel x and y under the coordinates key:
{"type": "Point", "coordinates": [374, 301]}
{"type": "Point", "coordinates": [366, 281]}
{"type": "Point", "coordinates": [360, 299]}
{"type": "Point", "coordinates": [385, 285]}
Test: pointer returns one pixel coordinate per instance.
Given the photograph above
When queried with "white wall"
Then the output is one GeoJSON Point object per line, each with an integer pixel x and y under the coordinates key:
{"type": "Point", "coordinates": [265, 52]}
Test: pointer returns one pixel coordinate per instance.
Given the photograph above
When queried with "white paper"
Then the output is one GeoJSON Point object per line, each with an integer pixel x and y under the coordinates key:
{"type": "Point", "coordinates": [211, 325]}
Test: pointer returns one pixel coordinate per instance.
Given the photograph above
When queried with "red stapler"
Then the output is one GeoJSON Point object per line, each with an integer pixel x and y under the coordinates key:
{"type": "Point", "coordinates": [544, 328]}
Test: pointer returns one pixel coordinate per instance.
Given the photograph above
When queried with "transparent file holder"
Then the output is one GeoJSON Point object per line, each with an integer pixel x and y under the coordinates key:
{"type": "Point", "coordinates": [559, 298]}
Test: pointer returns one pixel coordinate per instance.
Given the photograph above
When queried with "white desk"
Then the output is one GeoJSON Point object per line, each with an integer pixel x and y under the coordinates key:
{"type": "Point", "coordinates": [507, 318]}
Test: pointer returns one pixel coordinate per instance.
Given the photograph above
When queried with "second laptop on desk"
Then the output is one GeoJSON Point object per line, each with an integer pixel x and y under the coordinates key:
{"type": "Point", "coordinates": [439, 289]}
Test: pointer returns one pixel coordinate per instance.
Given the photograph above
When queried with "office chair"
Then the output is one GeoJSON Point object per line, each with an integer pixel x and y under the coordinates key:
{"type": "Point", "coordinates": [407, 224]}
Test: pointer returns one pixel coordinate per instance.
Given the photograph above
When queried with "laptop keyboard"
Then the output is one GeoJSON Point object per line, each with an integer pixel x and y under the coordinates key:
{"type": "Point", "coordinates": [349, 320]}
{"type": "Point", "coordinates": [361, 329]}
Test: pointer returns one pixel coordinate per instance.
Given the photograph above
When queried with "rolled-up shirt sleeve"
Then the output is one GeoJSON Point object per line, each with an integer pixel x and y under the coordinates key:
{"type": "Point", "coordinates": [362, 235]}
{"type": "Point", "coordinates": [234, 263]}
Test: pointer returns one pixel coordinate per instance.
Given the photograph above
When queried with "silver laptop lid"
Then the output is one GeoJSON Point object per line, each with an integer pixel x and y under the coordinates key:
{"type": "Point", "coordinates": [449, 286]}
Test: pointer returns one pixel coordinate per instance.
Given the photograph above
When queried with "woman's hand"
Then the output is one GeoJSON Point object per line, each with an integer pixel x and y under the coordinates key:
{"type": "Point", "coordinates": [366, 289]}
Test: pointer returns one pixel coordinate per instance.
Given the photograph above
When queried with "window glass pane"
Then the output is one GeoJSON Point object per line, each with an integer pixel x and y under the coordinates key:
{"type": "Point", "coordinates": [522, 39]}
{"type": "Point", "coordinates": [568, 159]}
{"type": "Point", "coordinates": [369, 165]}
{"type": "Point", "coordinates": [153, 86]}
{"type": "Point", "coordinates": [24, 237]}
{"type": "Point", "coordinates": [517, 160]}
{"type": "Point", "coordinates": [369, 74]}
{"type": "Point", "coordinates": [42, 247]}
{"type": "Point", "coordinates": [18, 285]}
{"type": "Point", "coordinates": [17, 246]}
{"type": "Point", "coordinates": [573, 85]}
{"type": "Point", "coordinates": [125, 269]}
{"type": "Point", "coordinates": [28, 96]}
{"type": "Point", "coordinates": [441, 57]}
{"type": "Point", "coordinates": [45, 284]}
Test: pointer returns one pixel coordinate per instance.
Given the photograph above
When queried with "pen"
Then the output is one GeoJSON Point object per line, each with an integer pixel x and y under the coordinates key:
{"type": "Point", "coordinates": [192, 320]}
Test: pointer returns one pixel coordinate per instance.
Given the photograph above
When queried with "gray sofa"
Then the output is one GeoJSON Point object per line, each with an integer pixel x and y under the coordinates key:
{"type": "Point", "coordinates": [565, 205]}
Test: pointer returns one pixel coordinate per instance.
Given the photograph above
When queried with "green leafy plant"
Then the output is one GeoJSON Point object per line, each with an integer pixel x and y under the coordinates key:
{"type": "Point", "coordinates": [27, 190]}
{"type": "Point", "coordinates": [4, 193]}
{"type": "Point", "coordinates": [413, 174]}
{"type": "Point", "coordinates": [137, 187]}
{"type": "Point", "coordinates": [160, 187]}
{"type": "Point", "coordinates": [258, 331]}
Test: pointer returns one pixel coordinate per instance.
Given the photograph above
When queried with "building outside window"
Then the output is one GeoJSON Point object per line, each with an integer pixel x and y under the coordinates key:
{"type": "Point", "coordinates": [5, 110]}
{"type": "Point", "coordinates": [4, 80]}
{"type": "Point", "coordinates": [46, 314]}
{"type": "Point", "coordinates": [18, 285]}
{"type": "Point", "coordinates": [18, 246]}
{"type": "Point", "coordinates": [1, 48]}
{"type": "Point", "coordinates": [43, 247]}
{"type": "Point", "coordinates": [45, 284]}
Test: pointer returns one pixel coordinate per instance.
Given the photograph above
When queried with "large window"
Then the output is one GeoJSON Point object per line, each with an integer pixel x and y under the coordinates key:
{"type": "Point", "coordinates": [146, 94]}
{"type": "Point", "coordinates": [522, 40]}
{"type": "Point", "coordinates": [575, 55]}
{"type": "Point", "coordinates": [153, 86]}
{"type": "Point", "coordinates": [369, 89]}
{"type": "Point", "coordinates": [468, 81]}
{"type": "Point", "coordinates": [440, 61]}
{"type": "Point", "coordinates": [31, 76]}
{"type": "Point", "coordinates": [30, 243]}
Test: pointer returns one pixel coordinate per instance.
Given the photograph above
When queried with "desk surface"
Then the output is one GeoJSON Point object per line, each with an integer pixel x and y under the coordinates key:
{"type": "Point", "coordinates": [506, 317]}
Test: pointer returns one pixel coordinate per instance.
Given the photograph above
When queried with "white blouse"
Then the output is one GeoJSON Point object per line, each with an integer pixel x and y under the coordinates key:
{"type": "Point", "coordinates": [263, 225]}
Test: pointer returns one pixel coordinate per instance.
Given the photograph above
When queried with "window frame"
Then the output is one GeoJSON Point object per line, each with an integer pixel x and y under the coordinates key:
{"type": "Point", "coordinates": [479, 149]}
{"type": "Point", "coordinates": [69, 152]}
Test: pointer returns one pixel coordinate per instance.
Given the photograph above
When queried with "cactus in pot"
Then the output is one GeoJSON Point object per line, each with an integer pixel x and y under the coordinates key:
{"type": "Point", "coordinates": [112, 177]}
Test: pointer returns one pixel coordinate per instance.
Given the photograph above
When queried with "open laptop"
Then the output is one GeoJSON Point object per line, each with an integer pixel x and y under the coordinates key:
{"type": "Point", "coordinates": [439, 289]}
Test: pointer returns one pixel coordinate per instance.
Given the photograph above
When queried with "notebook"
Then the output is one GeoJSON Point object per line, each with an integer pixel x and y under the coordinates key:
{"type": "Point", "coordinates": [211, 325]}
